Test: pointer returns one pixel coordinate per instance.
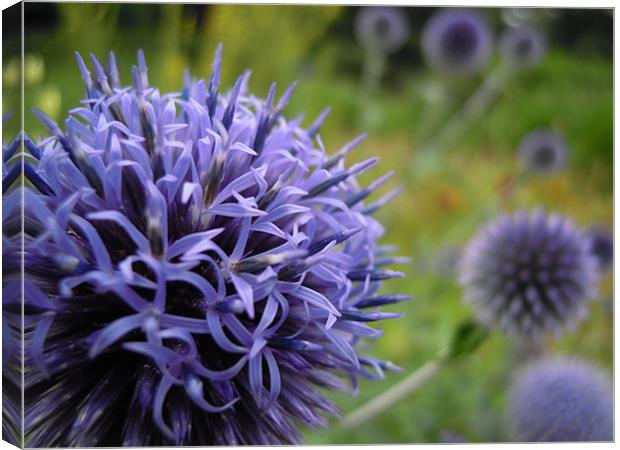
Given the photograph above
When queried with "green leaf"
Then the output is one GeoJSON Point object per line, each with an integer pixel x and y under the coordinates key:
{"type": "Point", "coordinates": [467, 338]}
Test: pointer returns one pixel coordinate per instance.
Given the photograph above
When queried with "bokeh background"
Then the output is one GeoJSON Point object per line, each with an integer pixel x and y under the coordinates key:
{"type": "Point", "coordinates": [443, 203]}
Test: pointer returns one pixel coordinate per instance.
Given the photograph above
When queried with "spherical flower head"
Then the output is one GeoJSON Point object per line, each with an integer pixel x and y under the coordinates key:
{"type": "Point", "coordinates": [456, 42]}
{"type": "Point", "coordinates": [381, 29]}
{"type": "Point", "coordinates": [528, 274]}
{"type": "Point", "coordinates": [543, 151]}
{"type": "Point", "coordinates": [197, 267]}
{"type": "Point", "coordinates": [601, 245]}
{"type": "Point", "coordinates": [11, 171]}
{"type": "Point", "coordinates": [561, 400]}
{"type": "Point", "coordinates": [11, 292]}
{"type": "Point", "coordinates": [523, 46]}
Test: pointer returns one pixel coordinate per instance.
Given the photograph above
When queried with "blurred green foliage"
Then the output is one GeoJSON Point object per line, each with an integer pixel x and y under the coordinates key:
{"type": "Point", "coordinates": [570, 91]}
{"type": "Point", "coordinates": [268, 39]}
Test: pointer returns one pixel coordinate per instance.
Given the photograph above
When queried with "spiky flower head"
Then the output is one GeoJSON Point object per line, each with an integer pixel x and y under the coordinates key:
{"type": "Point", "coordinates": [543, 151]}
{"type": "Point", "coordinates": [456, 42]}
{"type": "Point", "coordinates": [381, 29]}
{"type": "Point", "coordinates": [523, 46]}
{"type": "Point", "coordinates": [601, 245]}
{"type": "Point", "coordinates": [528, 274]}
{"type": "Point", "coordinates": [197, 268]}
{"type": "Point", "coordinates": [561, 399]}
{"type": "Point", "coordinates": [11, 322]}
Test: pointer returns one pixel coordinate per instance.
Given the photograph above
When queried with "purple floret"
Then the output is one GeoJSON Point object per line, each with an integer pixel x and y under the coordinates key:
{"type": "Point", "coordinates": [523, 46]}
{"type": "Point", "coordinates": [529, 274]}
{"type": "Point", "coordinates": [11, 293]}
{"type": "Point", "coordinates": [198, 268]}
{"type": "Point", "coordinates": [381, 29]}
{"type": "Point", "coordinates": [561, 400]}
{"type": "Point", "coordinates": [543, 151]}
{"type": "Point", "coordinates": [456, 42]}
{"type": "Point", "coordinates": [601, 244]}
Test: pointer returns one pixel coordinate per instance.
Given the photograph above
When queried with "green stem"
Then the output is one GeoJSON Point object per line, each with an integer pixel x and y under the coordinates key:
{"type": "Point", "coordinates": [397, 392]}
{"type": "Point", "coordinates": [374, 67]}
{"type": "Point", "coordinates": [473, 108]}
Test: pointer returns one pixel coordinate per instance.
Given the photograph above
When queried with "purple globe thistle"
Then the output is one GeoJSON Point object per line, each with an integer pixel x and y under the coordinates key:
{"type": "Point", "coordinates": [11, 323]}
{"type": "Point", "coordinates": [381, 29]}
{"type": "Point", "coordinates": [456, 42]}
{"type": "Point", "coordinates": [601, 244]}
{"type": "Point", "coordinates": [561, 399]}
{"type": "Point", "coordinates": [197, 268]}
{"type": "Point", "coordinates": [451, 437]}
{"type": "Point", "coordinates": [523, 46]}
{"type": "Point", "coordinates": [528, 273]}
{"type": "Point", "coordinates": [543, 151]}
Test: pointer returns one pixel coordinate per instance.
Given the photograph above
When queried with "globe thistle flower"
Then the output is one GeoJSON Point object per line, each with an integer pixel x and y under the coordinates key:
{"type": "Point", "coordinates": [561, 399]}
{"type": "Point", "coordinates": [450, 437]}
{"type": "Point", "coordinates": [197, 268]}
{"type": "Point", "coordinates": [381, 29]}
{"type": "Point", "coordinates": [522, 46]}
{"type": "Point", "coordinates": [543, 151]}
{"type": "Point", "coordinates": [528, 274]}
{"type": "Point", "coordinates": [11, 292]}
{"type": "Point", "coordinates": [456, 42]}
{"type": "Point", "coordinates": [601, 244]}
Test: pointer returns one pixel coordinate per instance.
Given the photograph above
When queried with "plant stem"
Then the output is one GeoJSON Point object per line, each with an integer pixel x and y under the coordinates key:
{"type": "Point", "coordinates": [397, 392]}
{"type": "Point", "coordinates": [472, 109]}
{"type": "Point", "coordinates": [374, 67]}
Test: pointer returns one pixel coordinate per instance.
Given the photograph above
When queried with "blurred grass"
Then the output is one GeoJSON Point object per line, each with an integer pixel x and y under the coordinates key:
{"type": "Point", "coordinates": [441, 205]}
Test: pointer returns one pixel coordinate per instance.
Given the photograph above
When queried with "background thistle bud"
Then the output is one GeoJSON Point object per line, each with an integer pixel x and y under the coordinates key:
{"type": "Point", "coordinates": [560, 400]}
{"type": "Point", "coordinates": [522, 46]}
{"type": "Point", "coordinates": [601, 244]}
{"type": "Point", "coordinates": [197, 268]}
{"type": "Point", "coordinates": [456, 42]}
{"type": "Point", "coordinates": [528, 274]}
{"type": "Point", "coordinates": [381, 29]}
{"type": "Point", "coordinates": [543, 151]}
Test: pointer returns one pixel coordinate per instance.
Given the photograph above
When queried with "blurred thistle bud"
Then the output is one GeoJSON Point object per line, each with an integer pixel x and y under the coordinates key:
{"type": "Point", "coordinates": [601, 245]}
{"type": "Point", "coordinates": [451, 437]}
{"type": "Point", "coordinates": [543, 151]}
{"type": "Point", "coordinates": [528, 274]}
{"type": "Point", "coordinates": [456, 42]}
{"type": "Point", "coordinates": [381, 29]}
{"type": "Point", "coordinates": [559, 400]}
{"type": "Point", "coordinates": [523, 46]}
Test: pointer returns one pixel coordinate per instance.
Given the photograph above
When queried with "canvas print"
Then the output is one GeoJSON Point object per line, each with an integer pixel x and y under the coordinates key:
{"type": "Point", "coordinates": [231, 224]}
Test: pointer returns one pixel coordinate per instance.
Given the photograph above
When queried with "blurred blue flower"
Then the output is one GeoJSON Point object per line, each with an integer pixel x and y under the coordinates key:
{"type": "Point", "coordinates": [197, 268]}
{"type": "Point", "coordinates": [523, 46]}
{"type": "Point", "coordinates": [381, 29]}
{"type": "Point", "coordinates": [543, 151]}
{"type": "Point", "coordinates": [601, 244]}
{"type": "Point", "coordinates": [528, 274]}
{"type": "Point", "coordinates": [456, 42]}
{"type": "Point", "coordinates": [560, 400]}
{"type": "Point", "coordinates": [450, 437]}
